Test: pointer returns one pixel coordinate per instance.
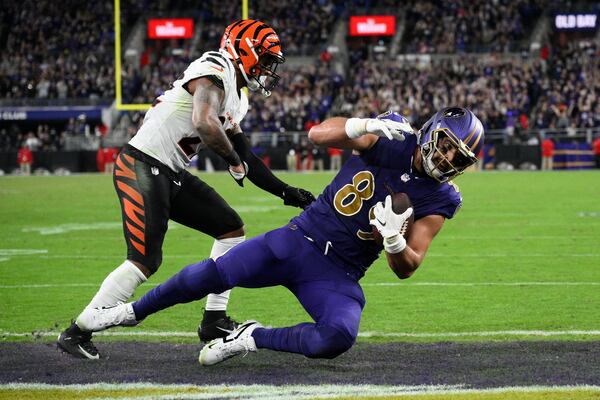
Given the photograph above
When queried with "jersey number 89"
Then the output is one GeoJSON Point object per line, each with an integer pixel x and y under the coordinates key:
{"type": "Point", "coordinates": [349, 199]}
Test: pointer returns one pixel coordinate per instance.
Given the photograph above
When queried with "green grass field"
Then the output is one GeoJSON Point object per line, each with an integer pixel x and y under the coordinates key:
{"type": "Point", "coordinates": [520, 260]}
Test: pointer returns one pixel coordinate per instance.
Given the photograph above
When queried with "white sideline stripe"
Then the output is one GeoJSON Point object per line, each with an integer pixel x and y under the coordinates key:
{"type": "Point", "coordinates": [188, 256]}
{"type": "Point", "coordinates": [266, 392]}
{"type": "Point", "coordinates": [466, 284]}
{"type": "Point", "coordinates": [367, 334]}
{"type": "Point", "coordinates": [483, 284]}
{"type": "Point", "coordinates": [22, 252]}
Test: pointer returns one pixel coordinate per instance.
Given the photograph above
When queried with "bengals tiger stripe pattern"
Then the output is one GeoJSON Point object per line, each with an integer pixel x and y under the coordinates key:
{"type": "Point", "coordinates": [132, 202]}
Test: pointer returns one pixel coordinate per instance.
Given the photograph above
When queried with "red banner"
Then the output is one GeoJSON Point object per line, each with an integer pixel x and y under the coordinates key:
{"type": "Point", "coordinates": [372, 25]}
{"type": "Point", "coordinates": [173, 28]}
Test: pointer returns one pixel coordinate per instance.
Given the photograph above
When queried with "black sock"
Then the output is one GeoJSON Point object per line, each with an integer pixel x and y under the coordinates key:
{"type": "Point", "coordinates": [212, 316]}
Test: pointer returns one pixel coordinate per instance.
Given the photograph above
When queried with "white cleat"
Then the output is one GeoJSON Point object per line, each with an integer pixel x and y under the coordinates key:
{"type": "Point", "coordinates": [101, 318]}
{"type": "Point", "coordinates": [240, 341]}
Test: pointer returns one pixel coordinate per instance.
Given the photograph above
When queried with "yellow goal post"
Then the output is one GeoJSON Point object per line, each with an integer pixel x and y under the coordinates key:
{"type": "Point", "coordinates": [118, 82]}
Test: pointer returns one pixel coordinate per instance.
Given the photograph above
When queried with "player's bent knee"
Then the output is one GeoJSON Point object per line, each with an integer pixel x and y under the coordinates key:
{"type": "Point", "coordinates": [233, 234]}
{"type": "Point", "coordinates": [196, 281]}
{"type": "Point", "coordinates": [145, 270]}
{"type": "Point", "coordinates": [329, 343]}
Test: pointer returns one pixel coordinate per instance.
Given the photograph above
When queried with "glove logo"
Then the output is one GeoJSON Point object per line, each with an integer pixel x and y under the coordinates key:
{"type": "Point", "coordinates": [405, 178]}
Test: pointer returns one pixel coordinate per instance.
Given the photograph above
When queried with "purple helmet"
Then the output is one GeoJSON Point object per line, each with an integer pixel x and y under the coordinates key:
{"type": "Point", "coordinates": [453, 126]}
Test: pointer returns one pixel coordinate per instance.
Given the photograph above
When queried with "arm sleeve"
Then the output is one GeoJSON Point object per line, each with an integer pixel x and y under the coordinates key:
{"type": "Point", "coordinates": [258, 173]}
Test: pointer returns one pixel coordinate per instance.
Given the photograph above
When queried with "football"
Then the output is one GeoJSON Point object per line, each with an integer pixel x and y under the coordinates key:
{"type": "Point", "coordinates": [400, 203]}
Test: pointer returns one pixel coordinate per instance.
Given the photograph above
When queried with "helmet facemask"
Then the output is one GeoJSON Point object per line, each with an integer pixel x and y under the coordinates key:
{"type": "Point", "coordinates": [263, 75]}
{"type": "Point", "coordinates": [434, 153]}
{"type": "Point", "coordinates": [260, 76]}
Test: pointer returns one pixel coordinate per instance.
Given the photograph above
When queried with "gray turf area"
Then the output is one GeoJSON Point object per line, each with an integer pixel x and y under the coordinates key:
{"type": "Point", "coordinates": [479, 365]}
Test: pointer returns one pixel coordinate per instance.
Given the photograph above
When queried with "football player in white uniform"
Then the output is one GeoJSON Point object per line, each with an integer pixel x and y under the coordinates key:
{"type": "Point", "coordinates": [202, 108]}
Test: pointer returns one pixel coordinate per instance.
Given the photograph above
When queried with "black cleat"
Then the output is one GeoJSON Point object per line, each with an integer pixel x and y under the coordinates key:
{"type": "Point", "coordinates": [215, 325]}
{"type": "Point", "coordinates": [77, 343]}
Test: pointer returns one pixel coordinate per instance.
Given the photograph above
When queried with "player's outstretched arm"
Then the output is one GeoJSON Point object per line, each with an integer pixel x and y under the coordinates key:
{"type": "Point", "coordinates": [406, 262]}
{"type": "Point", "coordinates": [207, 99]}
{"type": "Point", "coordinates": [263, 177]}
{"type": "Point", "coordinates": [360, 133]}
{"type": "Point", "coordinates": [332, 133]}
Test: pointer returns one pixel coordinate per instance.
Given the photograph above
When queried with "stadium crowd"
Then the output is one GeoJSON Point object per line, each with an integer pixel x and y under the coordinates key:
{"type": "Point", "coordinates": [497, 90]}
{"type": "Point", "coordinates": [559, 90]}
{"type": "Point", "coordinates": [468, 25]}
{"type": "Point", "coordinates": [44, 58]}
{"type": "Point", "coordinates": [571, 89]}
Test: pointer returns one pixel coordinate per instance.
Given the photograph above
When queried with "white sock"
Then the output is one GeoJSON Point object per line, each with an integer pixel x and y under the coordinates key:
{"type": "Point", "coordinates": [218, 302]}
{"type": "Point", "coordinates": [118, 286]}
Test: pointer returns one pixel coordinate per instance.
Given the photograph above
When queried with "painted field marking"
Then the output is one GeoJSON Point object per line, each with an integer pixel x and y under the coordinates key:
{"type": "Point", "coordinates": [587, 214]}
{"type": "Point", "coordinates": [22, 252]}
{"type": "Point", "coordinates": [367, 334]}
{"type": "Point", "coordinates": [481, 256]}
{"type": "Point", "coordinates": [265, 392]}
{"type": "Point", "coordinates": [255, 209]}
{"type": "Point", "coordinates": [523, 237]}
{"type": "Point", "coordinates": [466, 284]}
{"type": "Point", "coordinates": [483, 284]}
{"type": "Point", "coordinates": [74, 227]}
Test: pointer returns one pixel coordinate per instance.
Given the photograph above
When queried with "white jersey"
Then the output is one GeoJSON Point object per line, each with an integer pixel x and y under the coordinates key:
{"type": "Point", "coordinates": [167, 133]}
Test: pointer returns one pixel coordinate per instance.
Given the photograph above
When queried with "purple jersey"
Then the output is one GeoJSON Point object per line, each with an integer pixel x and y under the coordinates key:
{"type": "Point", "coordinates": [338, 221]}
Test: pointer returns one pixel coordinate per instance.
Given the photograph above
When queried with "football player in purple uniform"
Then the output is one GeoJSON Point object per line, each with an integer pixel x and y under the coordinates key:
{"type": "Point", "coordinates": [321, 255]}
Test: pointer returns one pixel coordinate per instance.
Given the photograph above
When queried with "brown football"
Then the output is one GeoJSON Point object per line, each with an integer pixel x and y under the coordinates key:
{"type": "Point", "coordinates": [400, 203]}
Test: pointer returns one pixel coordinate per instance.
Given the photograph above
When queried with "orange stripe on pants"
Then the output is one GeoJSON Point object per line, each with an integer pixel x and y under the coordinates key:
{"type": "Point", "coordinates": [140, 247]}
{"type": "Point", "coordinates": [134, 194]}
{"type": "Point", "coordinates": [124, 170]}
{"type": "Point", "coordinates": [138, 233]}
{"type": "Point", "coordinates": [132, 211]}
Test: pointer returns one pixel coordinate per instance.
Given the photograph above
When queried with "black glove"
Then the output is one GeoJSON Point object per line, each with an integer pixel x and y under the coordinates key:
{"type": "Point", "coordinates": [297, 197]}
{"type": "Point", "coordinates": [238, 176]}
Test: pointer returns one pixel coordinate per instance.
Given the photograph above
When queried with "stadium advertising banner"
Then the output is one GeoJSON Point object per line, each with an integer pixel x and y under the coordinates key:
{"type": "Point", "coordinates": [49, 113]}
{"type": "Point", "coordinates": [173, 28]}
{"type": "Point", "coordinates": [575, 22]}
{"type": "Point", "coordinates": [372, 25]}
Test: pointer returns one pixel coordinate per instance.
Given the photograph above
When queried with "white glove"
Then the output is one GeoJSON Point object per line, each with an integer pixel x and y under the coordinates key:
{"type": "Point", "coordinates": [398, 130]}
{"type": "Point", "coordinates": [239, 176]}
{"type": "Point", "coordinates": [389, 224]}
{"type": "Point", "coordinates": [357, 127]}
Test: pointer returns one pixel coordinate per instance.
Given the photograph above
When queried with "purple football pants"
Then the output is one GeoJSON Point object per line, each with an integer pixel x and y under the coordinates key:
{"type": "Point", "coordinates": [330, 294]}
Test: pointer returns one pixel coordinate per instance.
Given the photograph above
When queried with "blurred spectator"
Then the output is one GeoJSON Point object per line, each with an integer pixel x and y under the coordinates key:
{"type": "Point", "coordinates": [335, 158]}
{"type": "Point", "coordinates": [25, 159]}
{"type": "Point", "coordinates": [596, 150]}
{"type": "Point", "coordinates": [318, 156]}
{"type": "Point", "coordinates": [292, 159]}
{"type": "Point", "coordinates": [547, 154]}
{"type": "Point", "coordinates": [32, 142]}
{"type": "Point", "coordinates": [306, 155]}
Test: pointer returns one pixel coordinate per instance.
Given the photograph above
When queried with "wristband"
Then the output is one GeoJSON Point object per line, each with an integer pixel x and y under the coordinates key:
{"type": "Point", "coordinates": [356, 127]}
{"type": "Point", "coordinates": [394, 244]}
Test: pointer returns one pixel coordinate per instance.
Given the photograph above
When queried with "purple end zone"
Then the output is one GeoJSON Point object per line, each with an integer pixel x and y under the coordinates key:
{"type": "Point", "coordinates": [477, 365]}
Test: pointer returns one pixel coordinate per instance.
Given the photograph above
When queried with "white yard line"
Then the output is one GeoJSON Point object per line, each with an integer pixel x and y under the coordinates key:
{"type": "Point", "coordinates": [445, 255]}
{"type": "Point", "coordinates": [266, 392]}
{"type": "Point", "coordinates": [403, 284]}
{"type": "Point", "coordinates": [367, 334]}
{"type": "Point", "coordinates": [483, 284]}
